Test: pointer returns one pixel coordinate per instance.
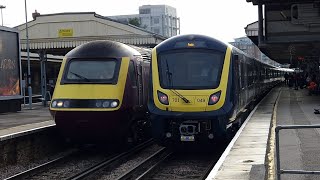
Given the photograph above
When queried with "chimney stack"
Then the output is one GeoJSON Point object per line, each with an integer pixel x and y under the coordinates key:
{"type": "Point", "coordinates": [35, 15]}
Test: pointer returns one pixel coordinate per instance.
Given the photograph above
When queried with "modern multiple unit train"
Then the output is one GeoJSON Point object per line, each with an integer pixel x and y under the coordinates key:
{"type": "Point", "coordinates": [101, 92]}
{"type": "Point", "coordinates": [200, 87]}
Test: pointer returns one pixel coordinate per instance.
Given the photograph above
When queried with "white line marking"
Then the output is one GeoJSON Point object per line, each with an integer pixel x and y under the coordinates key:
{"type": "Point", "coordinates": [24, 132]}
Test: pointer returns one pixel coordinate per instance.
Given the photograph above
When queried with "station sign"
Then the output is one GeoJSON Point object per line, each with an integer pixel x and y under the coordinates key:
{"type": "Point", "coordinates": [65, 32]}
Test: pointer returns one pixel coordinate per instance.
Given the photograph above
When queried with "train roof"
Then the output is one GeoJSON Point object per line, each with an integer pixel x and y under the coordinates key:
{"type": "Point", "coordinates": [194, 40]}
{"type": "Point", "coordinates": [105, 48]}
{"type": "Point", "coordinates": [202, 41]}
{"type": "Point", "coordinates": [144, 51]}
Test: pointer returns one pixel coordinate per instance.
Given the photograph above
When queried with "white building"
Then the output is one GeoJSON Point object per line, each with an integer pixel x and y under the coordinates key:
{"type": "Point", "coordinates": [247, 46]}
{"type": "Point", "coordinates": [160, 19]}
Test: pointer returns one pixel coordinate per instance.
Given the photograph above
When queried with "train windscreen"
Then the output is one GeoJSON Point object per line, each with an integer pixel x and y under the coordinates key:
{"type": "Point", "coordinates": [196, 69]}
{"type": "Point", "coordinates": [92, 71]}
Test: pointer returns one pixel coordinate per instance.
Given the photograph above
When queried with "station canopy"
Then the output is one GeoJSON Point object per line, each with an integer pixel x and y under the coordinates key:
{"type": "Point", "coordinates": [290, 32]}
{"type": "Point", "coordinates": [256, 2]}
{"type": "Point", "coordinates": [57, 34]}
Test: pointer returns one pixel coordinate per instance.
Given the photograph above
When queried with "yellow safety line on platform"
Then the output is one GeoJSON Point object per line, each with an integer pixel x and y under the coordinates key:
{"type": "Point", "coordinates": [270, 158]}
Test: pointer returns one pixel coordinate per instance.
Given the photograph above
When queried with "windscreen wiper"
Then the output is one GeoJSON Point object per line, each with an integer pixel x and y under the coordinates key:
{"type": "Point", "coordinates": [79, 76]}
{"type": "Point", "coordinates": [169, 74]}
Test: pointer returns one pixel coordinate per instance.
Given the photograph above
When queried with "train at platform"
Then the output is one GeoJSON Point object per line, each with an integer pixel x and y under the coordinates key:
{"type": "Point", "coordinates": [201, 88]}
{"type": "Point", "coordinates": [101, 92]}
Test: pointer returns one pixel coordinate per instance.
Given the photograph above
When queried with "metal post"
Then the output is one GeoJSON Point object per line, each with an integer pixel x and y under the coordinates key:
{"type": "Point", "coordinates": [2, 7]}
{"type": "Point", "coordinates": [28, 55]}
{"type": "Point", "coordinates": [179, 25]}
{"type": "Point", "coordinates": [1, 17]}
{"type": "Point", "coordinates": [260, 18]}
{"type": "Point", "coordinates": [43, 59]}
{"type": "Point", "coordinates": [278, 153]}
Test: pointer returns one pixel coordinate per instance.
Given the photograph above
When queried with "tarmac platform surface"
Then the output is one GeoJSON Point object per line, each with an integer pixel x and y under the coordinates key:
{"type": "Point", "coordinates": [299, 148]}
{"type": "Point", "coordinates": [251, 155]}
{"type": "Point", "coordinates": [24, 120]}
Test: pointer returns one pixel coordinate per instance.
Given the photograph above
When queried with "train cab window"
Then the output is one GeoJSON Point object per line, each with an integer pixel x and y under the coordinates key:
{"type": "Point", "coordinates": [91, 71]}
{"type": "Point", "coordinates": [196, 69]}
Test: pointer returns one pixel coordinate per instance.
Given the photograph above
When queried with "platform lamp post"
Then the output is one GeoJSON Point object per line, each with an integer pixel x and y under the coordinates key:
{"type": "Point", "coordinates": [2, 7]}
{"type": "Point", "coordinates": [28, 55]}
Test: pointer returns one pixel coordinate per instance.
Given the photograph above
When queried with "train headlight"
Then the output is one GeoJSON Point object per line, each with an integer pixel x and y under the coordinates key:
{"type": "Point", "coordinates": [114, 104]}
{"type": "Point", "coordinates": [66, 104]}
{"type": "Point", "coordinates": [59, 104]}
{"type": "Point", "coordinates": [214, 98]}
{"type": "Point", "coordinates": [98, 104]}
{"type": "Point", "coordinates": [163, 98]}
{"type": "Point", "coordinates": [54, 104]}
{"type": "Point", "coordinates": [106, 104]}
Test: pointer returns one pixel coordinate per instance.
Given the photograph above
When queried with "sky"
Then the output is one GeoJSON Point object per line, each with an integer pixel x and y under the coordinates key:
{"type": "Point", "coordinates": [221, 19]}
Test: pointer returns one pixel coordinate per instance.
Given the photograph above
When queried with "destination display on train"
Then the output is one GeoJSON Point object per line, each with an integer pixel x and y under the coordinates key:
{"type": "Point", "coordinates": [9, 64]}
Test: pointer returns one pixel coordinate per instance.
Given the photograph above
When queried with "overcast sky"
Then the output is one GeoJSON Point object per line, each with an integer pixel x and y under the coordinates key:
{"type": "Point", "coordinates": [221, 19]}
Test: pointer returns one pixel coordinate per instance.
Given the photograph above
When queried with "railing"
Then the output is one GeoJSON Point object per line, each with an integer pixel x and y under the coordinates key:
{"type": "Point", "coordinates": [46, 99]}
{"type": "Point", "coordinates": [39, 98]}
{"type": "Point", "coordinates": [282, 171]}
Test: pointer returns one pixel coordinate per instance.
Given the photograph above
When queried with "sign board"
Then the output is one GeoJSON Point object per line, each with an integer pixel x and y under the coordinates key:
{"type": "Point", "coordinates": [65, 32]}
{"type": "Point", "coordinates": [9, 64]}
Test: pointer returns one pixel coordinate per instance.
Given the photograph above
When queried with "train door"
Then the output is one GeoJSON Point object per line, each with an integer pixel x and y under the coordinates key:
{"type": "Point", "coordinates": [244, 81]}
{"type": "Point", "coordinates": [254, 78]}
{"type": "Point", "coordinates": [134, 86]}
{"type": "Point", "coordinates": [250, 71]}
{"type": "Point", "coordinates": [140, 85]}
{"type": "Point", "coordinates": [236, 81]}
{"type": "Point", "coordinates": [145, 81]}
{"type": "Point", "coordinates": [241, 81]}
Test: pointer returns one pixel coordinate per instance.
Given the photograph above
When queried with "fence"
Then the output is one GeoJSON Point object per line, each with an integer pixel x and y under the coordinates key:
{"type": "Point", "coordinates": [282, 171]}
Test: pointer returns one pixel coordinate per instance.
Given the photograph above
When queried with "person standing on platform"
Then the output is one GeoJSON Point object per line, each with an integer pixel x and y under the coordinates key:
{"type": "Point", "coordinates": [286, 79]}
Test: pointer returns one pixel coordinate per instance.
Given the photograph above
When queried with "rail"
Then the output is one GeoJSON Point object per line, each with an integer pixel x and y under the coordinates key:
{"type": "Point", "coordinates": [282, 171]}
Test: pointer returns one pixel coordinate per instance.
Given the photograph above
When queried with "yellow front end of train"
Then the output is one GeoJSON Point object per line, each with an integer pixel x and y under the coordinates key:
{"type": "Point", "coordinates": [99, 96]}
{"type": "Point", "coordinates": [198, 100]}
{"type": "Point", "coordinates": [96, 95]}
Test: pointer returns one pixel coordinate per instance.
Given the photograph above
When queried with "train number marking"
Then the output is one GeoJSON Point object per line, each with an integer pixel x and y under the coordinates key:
{"type": "Point", "coordinates": [175, 100]}
{"type": "Point", "coordinates": [201, 100]}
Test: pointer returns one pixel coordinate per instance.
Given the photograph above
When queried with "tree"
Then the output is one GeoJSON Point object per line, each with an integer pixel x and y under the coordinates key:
{"type": "Point", "coordinates": [135, 21]}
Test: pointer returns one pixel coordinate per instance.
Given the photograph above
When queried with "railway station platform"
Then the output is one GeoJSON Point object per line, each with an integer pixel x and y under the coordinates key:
{"type": "Point", "coordinates": [251, 154]}
{"type": "Point", "coordinates": [12, 123]}
{"type": "Point", "coordinates": [252, 151]}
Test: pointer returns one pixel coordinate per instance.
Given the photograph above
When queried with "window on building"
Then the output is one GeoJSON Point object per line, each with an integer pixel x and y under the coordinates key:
{"type": "Point", "coordinates": [145, 11]}
{"type": "Point", "coordinates": [156, 30]}
{"type": "Point", "coordinates": [156, 20]}
{"type": "Point", "coordinates": [174, 22]}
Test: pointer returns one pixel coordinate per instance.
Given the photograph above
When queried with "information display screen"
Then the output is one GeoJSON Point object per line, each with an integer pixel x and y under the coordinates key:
{"type": "Point", "coordinates": [9, 64]}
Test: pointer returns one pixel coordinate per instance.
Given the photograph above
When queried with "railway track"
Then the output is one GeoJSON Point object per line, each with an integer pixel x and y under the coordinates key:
{"type": "Point", "coordinates": [162, 164]}
{"type": "Point", "coordinates": [74, 165]}
{"type": "Point", "coordinates": [109, 163]}
{"type": "Point", "coordinates": [147, 165]}
{"type": "Point", "coordinates": [177, 166]}
{"type": "Point", "coordinates": [145, 161]}
{"type": "Point", "coordinates": [42, 167]}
